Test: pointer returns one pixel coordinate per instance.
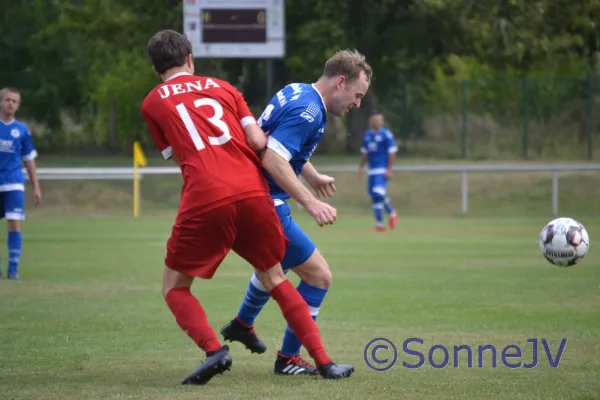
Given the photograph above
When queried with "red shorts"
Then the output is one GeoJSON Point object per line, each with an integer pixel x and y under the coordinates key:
{"type": "Point", "coordinates": [250, 227]}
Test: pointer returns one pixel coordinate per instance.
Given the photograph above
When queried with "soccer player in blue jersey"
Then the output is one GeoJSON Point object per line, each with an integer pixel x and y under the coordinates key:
{"type": "Point", "coordinates": [15, 146]}
{"type": "Point", "coordinates": [379, 152]}
{"type": "Point", "coordinates": [295, 121]}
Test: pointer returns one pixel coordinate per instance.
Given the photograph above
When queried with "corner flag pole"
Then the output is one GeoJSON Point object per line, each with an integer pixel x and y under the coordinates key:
{"type": "Point", "coordinates": [139, 160]}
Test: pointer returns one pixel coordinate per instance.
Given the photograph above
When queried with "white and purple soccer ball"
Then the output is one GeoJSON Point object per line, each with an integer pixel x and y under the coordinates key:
{"type": "Point", "coordinates": [564, 242]}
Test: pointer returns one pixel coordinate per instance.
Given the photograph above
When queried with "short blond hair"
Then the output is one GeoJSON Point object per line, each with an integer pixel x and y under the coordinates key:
{"type": "Point", "coordinates": [349, 63]}
{"type": "Point", "coordinates": [8, 90]}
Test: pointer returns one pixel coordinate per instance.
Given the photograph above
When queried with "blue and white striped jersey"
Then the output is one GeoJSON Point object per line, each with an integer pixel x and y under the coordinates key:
{"type": "Point", "coordinates": [16, 146]}
{"type": "Point", "coordinates": [295, 120]}
{"type": "Point", "coordinates": [378, 145]}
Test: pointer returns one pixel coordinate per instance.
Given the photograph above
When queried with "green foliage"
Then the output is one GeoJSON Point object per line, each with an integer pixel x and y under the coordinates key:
{"type": "Point", "coordinates": [84, 61]}
{"type": "Point", "coordinates": [116, 85]}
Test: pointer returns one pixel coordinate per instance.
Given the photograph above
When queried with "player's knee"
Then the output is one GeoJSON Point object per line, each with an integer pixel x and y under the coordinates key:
{"type": "Point", "coordinates": [315, 271]}
{"type": "Point", "coordinates": [325, 278]}
{"type": "Point", "coordinates": [271, 277]}
{"type": "Point", "coordinates": [173, 279]}
{"type": "Point", "coordinates": [377, 199]}
{"type": "Point", "coordinates": [378, 193]}
{"type": "Point", "coordinates": [13, 225]}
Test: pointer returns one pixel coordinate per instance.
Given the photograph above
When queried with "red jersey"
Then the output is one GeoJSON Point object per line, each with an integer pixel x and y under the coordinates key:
{"type": "Point", "coordinates": [200, 121]}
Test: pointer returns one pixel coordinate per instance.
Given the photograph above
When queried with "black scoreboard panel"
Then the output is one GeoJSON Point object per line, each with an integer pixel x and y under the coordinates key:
{"type": "Point", "coordinates": [234, 26]}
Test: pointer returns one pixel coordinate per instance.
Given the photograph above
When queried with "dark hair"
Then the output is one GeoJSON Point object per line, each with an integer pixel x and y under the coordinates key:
{"type": "Point", "coordinates": [168, 49]}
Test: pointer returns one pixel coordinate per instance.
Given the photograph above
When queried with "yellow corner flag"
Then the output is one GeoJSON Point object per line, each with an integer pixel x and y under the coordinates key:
{"type": "Point", "coordinates": [139, 160]}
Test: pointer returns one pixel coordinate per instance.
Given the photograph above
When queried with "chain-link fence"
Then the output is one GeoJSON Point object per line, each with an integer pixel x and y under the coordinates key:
{"type": "Point", "coordinates": [503, 118]}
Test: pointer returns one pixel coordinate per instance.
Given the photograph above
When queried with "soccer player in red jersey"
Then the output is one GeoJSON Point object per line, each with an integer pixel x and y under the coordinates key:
{"type": "Point", "coordinates": [205, 125]}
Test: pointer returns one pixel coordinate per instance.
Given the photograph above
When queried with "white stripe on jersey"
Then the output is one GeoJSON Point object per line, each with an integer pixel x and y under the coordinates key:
{"type": "Point", "coordinates": [167, 153]}
{"type": "Point", "coordinates": [376, 171]}
{"type": "Point", "coordinates": [31, 156]}
{"type": "Point", "coordinates": [247, 121]}
{"type": "Point", "coordinates": [278, 148]}
{"type": "Point", "coordinates": [12, 186]}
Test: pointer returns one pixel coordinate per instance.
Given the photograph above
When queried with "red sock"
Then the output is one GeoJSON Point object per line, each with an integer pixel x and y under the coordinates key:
{"type": "Point", "coordinates": [295, 311]}
{"type": "Point", "coordinates": [191, 318]}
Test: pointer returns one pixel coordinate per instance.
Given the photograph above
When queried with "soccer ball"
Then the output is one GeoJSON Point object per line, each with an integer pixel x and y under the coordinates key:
{"type": "Point", "coordinates": [564, 242]}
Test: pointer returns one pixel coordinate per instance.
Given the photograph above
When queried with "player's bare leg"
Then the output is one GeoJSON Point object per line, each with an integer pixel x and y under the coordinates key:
{"type": "Point", "coordinates": [192, 319]}
{"type": "Point", "coordinates": [315, 271]}
{"type": "Point", "coordinates": [296, 312]}
{"type": "Point", "coordinates": [316, 278]}
{"type": "Point", "coordinates": [389, 209]}
{"type": "Point", "coordinates": [14, 248]}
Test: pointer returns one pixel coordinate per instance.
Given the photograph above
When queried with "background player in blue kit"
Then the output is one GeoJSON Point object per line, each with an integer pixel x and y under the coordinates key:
{"type": "Point", "coordinates": [15, 146]}
{"type": "Point", "coordinates": [295, 121]}
{"type": "Point", "coordinates": [379, 152]}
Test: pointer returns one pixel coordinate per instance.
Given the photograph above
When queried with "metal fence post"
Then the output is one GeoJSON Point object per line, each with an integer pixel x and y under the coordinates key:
{"type": "Point", "coordinates": [463, 142]}
{"type": "Point", "coordinates": [590, 117]}
{"type": "Point", "coordinates": [464, 192]}
{"type": "Point", "coordinates": [525, 116]}
{"type": "Point", "coordinates": [555, 193]}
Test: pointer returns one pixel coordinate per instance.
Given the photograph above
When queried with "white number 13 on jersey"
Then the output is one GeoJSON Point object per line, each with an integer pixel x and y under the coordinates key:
{"type": "Point", "coordinates": [215, 120]}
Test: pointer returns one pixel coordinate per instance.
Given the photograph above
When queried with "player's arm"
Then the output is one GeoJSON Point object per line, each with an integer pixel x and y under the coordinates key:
{"type": "Point", "coordinates": [256, 138]}
{"type": "Point", "coordinates": [32, 173]}
{"type": "Point", "coordinates": [29, 155]}
{"type": "Point", "coordinates": [282, 145]}
{"type": "Point", "coordinates": [363, 161]}
{"type": "Point", "coordinates": [309, 172]}
{"type": "Point", "coordinates": [323, 185]}
{"type": "Point", "coordinates": [282, 173]}
{"type": "Point", "coordinates": [391, 159]}
{"type": "Point", "coordinates": [392, 150]}
{"type": "Point", "coordinates": [158, 136]}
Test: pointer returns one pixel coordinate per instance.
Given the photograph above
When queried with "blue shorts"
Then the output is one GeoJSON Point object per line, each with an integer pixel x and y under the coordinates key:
{"type": "Point", "coordinates": [377, 185]}
{"type": "Point", "coordinates": [300, 247]}
{"type": "Point", "coordinates": [12, 205]}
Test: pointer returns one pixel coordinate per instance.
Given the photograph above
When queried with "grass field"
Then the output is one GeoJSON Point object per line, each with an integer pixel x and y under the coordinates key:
{"type": "Point", "coordinates": [87, 320]}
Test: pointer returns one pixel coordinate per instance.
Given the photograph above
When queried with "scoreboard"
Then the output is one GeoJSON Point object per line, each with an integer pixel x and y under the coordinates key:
{"type": "Point", "coordinates": [235, 28]}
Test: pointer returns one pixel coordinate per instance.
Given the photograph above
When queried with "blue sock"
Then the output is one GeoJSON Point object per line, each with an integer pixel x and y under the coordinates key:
{"type": "Point", "coordinates": [388, 207]}
{"type": "Point", "coordinates": [314, 297]}
{"type": "Point", "coordinates": [378, 213]}
{"type": "Point", "coordinates": [15, 242]}
{"type": "Point", "coordinates": [255, 299]}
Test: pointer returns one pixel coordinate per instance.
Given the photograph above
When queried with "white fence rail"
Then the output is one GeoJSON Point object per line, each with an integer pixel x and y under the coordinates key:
{"type": "Point", "coordinates": [106, 173]}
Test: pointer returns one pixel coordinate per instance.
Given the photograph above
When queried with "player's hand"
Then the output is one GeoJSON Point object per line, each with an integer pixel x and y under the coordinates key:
{"type": "Point", "coordinates": [361, 172]}
{"type": "Point", "coordinates": [323, 185]}
{"type": "Point", "coordinates": [323, 213]}
{"type": "Point", "coordinates": [388, 173]}
{"type": "Point", "coordinates": [37, 196]}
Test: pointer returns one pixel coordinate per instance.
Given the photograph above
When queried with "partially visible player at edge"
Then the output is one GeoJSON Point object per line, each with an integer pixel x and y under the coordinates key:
{"type": "Point", "coordinates": [16, 146]}
{"type": "Point", "coordinates": [379, 150]}
{"type": "Point", "coordinates": [295, 120]}
{"type": "Point", "coordinates": [205, 125]}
